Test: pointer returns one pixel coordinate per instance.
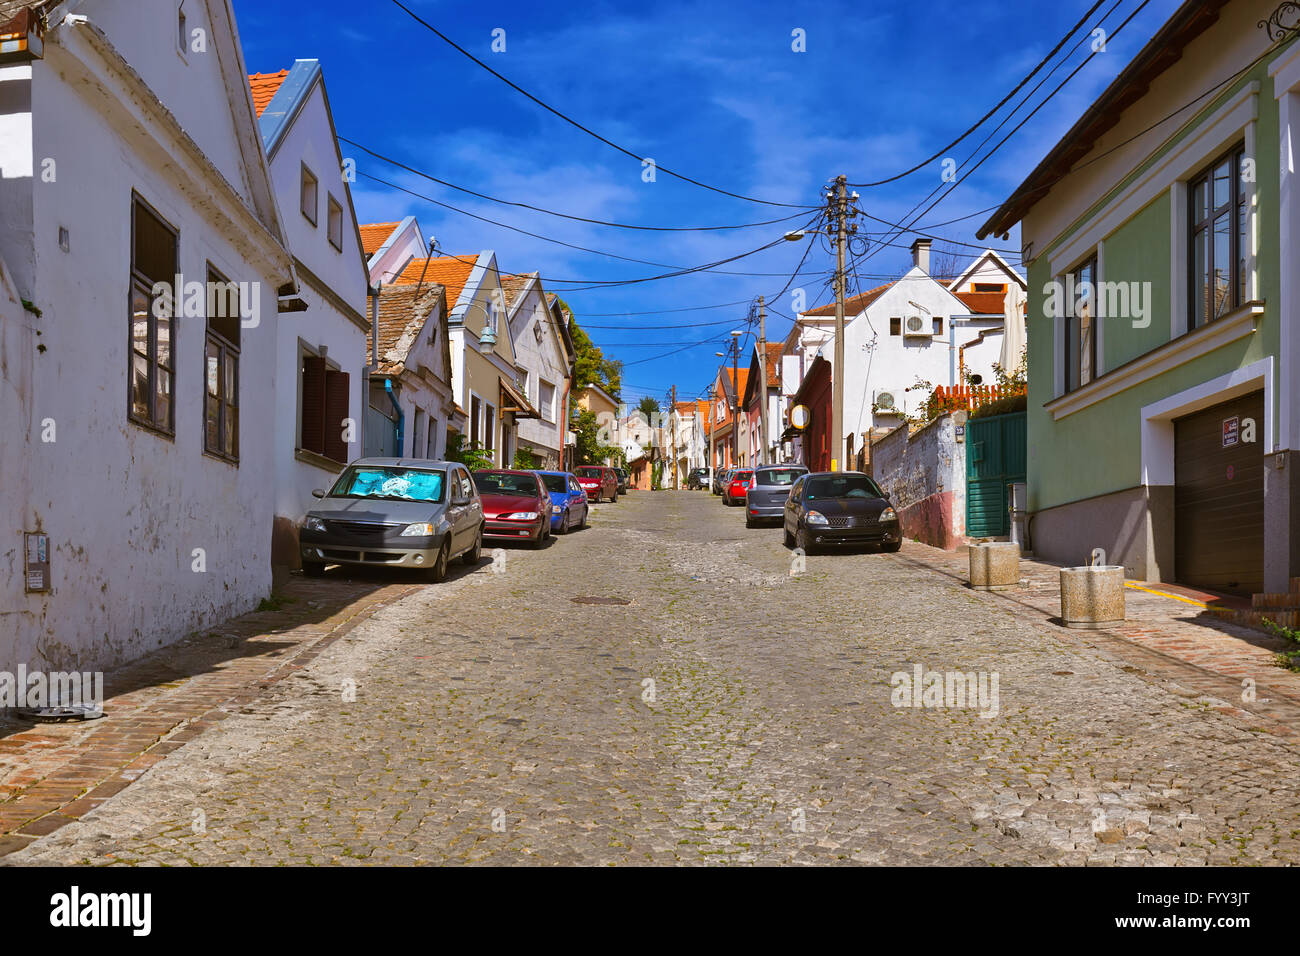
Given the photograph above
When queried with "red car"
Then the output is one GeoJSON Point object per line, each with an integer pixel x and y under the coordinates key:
{"type": "Point", "coordinates": [516, 506]}
{"type": "Point", "coordinates": [737, 487]}
{"type": "Point", "coordinates": [598, 482]}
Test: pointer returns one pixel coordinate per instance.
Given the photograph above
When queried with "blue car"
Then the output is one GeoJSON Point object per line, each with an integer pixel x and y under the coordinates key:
{"type": "Point", "coordinates": [569, 507]}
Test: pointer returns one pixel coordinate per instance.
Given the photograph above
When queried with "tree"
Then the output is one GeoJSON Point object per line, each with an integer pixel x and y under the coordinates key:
{"type": "Point", "coordinates": [649, 408]}
{"type": "Point", "coordinates": [590, 450]}
{"type": "Point", "coordinates": [591, 367]}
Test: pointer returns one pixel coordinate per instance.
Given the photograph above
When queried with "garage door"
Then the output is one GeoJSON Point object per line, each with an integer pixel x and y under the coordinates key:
{"type": "Point", "coordinates": [1219, 497]}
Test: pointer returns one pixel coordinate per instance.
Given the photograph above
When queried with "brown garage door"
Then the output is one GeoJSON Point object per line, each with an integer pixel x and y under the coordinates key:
{"type": "Point", "coordinates": [1219, 497]}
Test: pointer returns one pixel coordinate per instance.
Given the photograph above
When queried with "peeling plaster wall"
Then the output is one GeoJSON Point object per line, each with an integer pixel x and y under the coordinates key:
{"type": "Point", "coordinates": [924, 475]}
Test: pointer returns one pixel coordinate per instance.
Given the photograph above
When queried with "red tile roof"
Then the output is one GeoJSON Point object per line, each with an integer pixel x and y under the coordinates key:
{"type": "Point", "coordinates": [375, 235]}
{"type": "Point", "coordinates": [264, 87]}
{"type": "Point", "coordinates": [983, 303]}
{"type": "Point", "coordinates": [401, 319]}
{"type": "Point", "coordinates": [774, 350]}
{"type": "Point", "coordinates": [449, 271]}
{"type": "Point", "coordinates": [856, 304]}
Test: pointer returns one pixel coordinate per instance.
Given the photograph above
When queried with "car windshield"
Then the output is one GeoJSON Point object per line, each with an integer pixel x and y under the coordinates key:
{"type": "Point", "coordinates": [842, 486]}
{"type": "Point", "coordinates": [590, 473]}
{"type": "Point", "coordinates": [556, 483]}
{"type": "Point", "coordinates": [778, 476]}
{"type": "Point", "coordinates": [742, 476]}
{"type": "Point", "coordinates": [390, 484]}
{"type": "Point", "coordinates": [504, 483]}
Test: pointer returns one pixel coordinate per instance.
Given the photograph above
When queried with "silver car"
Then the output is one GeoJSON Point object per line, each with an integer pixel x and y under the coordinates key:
{"type": "Point", "coordinates": [765, 499]}
{"type": "Point", "coordinates": [395, 512]}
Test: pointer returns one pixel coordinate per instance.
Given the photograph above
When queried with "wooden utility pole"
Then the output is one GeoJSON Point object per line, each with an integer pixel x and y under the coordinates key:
{"type": "Point", "coordinates": [735, 412]}
{"type": "Point", "coordinates": [839, 210]}
{"type": "Point", "coordinates": [672, 436]}
{"type": "Point", "coordinates": [762, 380]}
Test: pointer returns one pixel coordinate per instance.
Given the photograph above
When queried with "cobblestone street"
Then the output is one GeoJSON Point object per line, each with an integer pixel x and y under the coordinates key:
{"type": "Point", "coordinates": [728, 712]}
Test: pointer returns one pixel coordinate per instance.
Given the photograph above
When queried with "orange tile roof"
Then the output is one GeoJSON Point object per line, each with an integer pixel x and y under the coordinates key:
{"type": "Point", "coordinates": [774, 350]}
{"type": "Point", "coordinates": [855, 304]}
{"type": "Point", "coordinates": [375, 235]}
{"type": "Point", "coordinates": [983, 303]}
{"type": "Point", "coordinates": [264, 87]}
{"type": "Point", "coordinates": [451, 272]}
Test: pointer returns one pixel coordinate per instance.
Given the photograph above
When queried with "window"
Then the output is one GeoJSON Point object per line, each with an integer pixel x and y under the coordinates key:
{"type": "Point", "coordinates": [310, 186]}
{"type": "Point", "coordinates": [325, 402]}
{"type": "Point", "coordinates": [546, 400]}
{"type": "Point", "coordinates": [526, 382]}
{"type": "Point", "coordinates": [989, 287]}
{"type": "Point", "coordinates": [182, 34]}
{"type": "Point", "coordinates": [938, 326]}
{"type": "Point", "coordinates": [431, 441]}
{"type": "Point", "coordinates": [489, 427]}
{"type": "Point", "coordinates": [1219, 245]}
{"type": "Point", "coordinates": [221, 392]}
{"type": "Point", "coordinates": [334, 223]}
{"type": "Point", "coordinates": [1080, 327]}
{"type": "Point", "coordinates": [153, 266]}
{"type": "Point", "coordinates": [895, 325]}
{"type": "Point", "coordinates": [475, 429]}
{"type": "Point", "coordinates": [417, 435]}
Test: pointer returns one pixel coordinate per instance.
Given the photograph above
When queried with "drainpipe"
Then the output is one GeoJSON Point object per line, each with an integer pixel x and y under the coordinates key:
{"type": "Point", "coordinates": [374, 363]}
{"type": "Point", "coordinates": [961, 352]}
{"type": "Point", "coordinates": [401, 419]}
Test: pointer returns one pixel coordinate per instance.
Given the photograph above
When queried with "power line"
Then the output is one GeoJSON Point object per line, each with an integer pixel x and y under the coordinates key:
{"type": "Point", "coordinates": [983, 119]}
{"type": "Point", "coordinates": [590, 132]}
{"type": "Point", "coordinates": [562, 215]}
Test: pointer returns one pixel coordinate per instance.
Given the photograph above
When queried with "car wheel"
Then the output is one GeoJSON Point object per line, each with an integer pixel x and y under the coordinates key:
{"type": "Point", "coordinates": [803, 541]}
{"type": "Point", "coordinates": [537, 542]}
{"type": "Point", "coordinates": [438, 573]}
{"type": "Point", "coordinates": [586, 513]}
{"type": "Point", "coordinates": [471, 557]}
{"type": "Point", "coordinates": [613, 499]}
{"type": "Point", "coordinates": [564, 522]}
{"type": "Point", "coordinates": [892, 548]}
{"type": "Point", "coordinates": [749, 522]}
{"type": "Point", "coordinates": [789, 538]}
{"type": "Point", "coordinates": [313, 569]}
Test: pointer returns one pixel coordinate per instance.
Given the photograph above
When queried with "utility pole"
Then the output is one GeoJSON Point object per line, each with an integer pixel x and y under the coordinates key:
{"type": "Point", "coordinates": [762, 379]}
{"type": "Point", "coordinates": [839, 209]}
{"type": "Point", "coordinates": [672, 435]}
{"type": "Point", "coordinates": [735, 408]}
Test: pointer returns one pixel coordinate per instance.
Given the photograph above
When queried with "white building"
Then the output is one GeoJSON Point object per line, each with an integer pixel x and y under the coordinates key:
{"type": "Point", "coordinates": [321, 350]}
{"type": "Point", "coordinates": [391, 247]}
{"type": "Point", "coordinates": [544, 356]}
{"type": "Point", "coordinates": [905, 337]}
{"type": "Point", "coordinates": [687, 446]}
{"type": "Point", "coordinates": [135, 431]}
{"type": "Point", "coordinates": [411, 400]}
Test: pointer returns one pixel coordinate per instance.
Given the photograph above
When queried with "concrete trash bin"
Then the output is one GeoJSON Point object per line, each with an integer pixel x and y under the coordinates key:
{"type": "Point", "coordinates": [994, 565]}
{"type": "Point", "coordinates": [1092, 597]}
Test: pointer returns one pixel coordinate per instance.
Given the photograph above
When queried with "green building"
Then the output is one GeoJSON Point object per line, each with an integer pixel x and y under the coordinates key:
{"type": "Point", "coordinates": [1162, 240]}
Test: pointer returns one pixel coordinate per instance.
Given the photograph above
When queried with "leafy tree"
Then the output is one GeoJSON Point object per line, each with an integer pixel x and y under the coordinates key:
{"type": "Point", "coordinates": [649, 408]}
{"type": "Point", "coordinates": [591, 366]}
{"type": "Point", "coordinates": [475, 458]}
{"type": "Point", "coordinates": [525, 460]}
{"type": "Point", "coordinates": [589, 448]}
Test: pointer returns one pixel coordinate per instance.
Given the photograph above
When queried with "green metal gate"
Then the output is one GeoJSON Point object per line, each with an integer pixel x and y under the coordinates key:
{"type": "Point", "coordinates": [995, 458]}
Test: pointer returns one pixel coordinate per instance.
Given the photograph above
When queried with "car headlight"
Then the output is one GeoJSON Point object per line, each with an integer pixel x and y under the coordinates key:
{"type": "Point", "coordinates": [314, 524]}
{"type": "Point", "coordinates": [557, 509]}
{"type": "Point", "coordinates": [815, 517]}
{"type": "Point", "coordinates": [522, 516]}
{"type": "Point", "coordinates": [423, 530]}
{"type": "Point", "coordinates": [889, 514]}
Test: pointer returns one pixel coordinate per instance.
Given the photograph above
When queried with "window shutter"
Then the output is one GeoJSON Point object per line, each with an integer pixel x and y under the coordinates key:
{"type": "Point", "coordinates": [313, 404]}
{"type": "Point", "coordinates": [336, 410]}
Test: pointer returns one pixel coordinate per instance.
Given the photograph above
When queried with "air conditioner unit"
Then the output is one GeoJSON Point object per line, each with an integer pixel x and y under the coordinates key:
{"type": "Point", "coordinates": [885, 401]}
{"type": "Point", "coordinates": [916, 327]}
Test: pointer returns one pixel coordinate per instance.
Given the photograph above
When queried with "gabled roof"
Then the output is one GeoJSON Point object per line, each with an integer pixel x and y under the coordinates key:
{"type": "Point", "coordinates": [513, 286]}
{"type": "Point", "coordinates": [374, 235]}
{"type": "Point", "coordinates": [979, 260]}
{"type": "Point", "coordinates": [854, 305]}
{"type": "Point", "coordinates": [402, 317]}
{"type": "Point", "coordinates": [451, 272]}
{"type": "Point", "coordinates": [1165, 48]}
{"type": "Point", "coordinates": [264, 86]}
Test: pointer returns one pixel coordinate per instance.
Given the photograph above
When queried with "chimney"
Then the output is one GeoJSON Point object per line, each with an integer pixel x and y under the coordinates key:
{"type": "Point", "coordinates": [921, 255]}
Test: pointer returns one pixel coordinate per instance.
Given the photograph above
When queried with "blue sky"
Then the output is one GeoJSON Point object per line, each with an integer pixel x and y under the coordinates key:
{"type": "Point", "coordinates": [711, 90]}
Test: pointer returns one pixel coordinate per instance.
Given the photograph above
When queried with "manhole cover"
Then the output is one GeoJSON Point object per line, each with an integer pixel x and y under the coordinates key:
{"type": "Point", "coordinates": [59, 713]}
{"type": "Point", "coordinates": [590, 599]}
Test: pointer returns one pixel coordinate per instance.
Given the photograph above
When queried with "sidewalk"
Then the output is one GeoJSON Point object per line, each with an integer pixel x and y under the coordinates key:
{"type": "Point", "coordinates": [53, 774]}
{"type": "Point", "coordinates": [1171, 634]}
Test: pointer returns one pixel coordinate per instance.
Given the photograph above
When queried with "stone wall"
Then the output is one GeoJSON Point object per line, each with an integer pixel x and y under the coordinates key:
{"type": "Point", "coordinates": [924, 475]}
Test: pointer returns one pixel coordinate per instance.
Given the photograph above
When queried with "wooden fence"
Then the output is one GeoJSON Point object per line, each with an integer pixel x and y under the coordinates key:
{"type": "Point", "coordinates": [967, 398]}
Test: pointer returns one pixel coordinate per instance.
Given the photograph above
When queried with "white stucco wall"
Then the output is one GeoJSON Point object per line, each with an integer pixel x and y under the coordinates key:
{"type": "Point", "coordinates": [543, 360]}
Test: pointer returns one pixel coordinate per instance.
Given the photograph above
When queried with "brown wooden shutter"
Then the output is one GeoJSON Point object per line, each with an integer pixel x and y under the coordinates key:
{"type": "Point", "coordinates": [313, 404]}
{"type": "Point", "coordinates": [336, 410]}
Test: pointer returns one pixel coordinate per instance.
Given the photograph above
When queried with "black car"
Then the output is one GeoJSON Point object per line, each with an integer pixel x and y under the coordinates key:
{"type": "Point", "coordinates": [765, 500]}
{"type": "Point", "coordinates": [697, 479]}
{"type": "Point", "coordinates": [622, 480]}
{"type": "Point", "coordinates": [844, 507]}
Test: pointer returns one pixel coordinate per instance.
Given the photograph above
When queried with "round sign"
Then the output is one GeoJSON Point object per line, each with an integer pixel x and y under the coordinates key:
{"type": "Point", "coordinates": [800, 416]}
{"type": "Point", "coordinates": [1232, 472]}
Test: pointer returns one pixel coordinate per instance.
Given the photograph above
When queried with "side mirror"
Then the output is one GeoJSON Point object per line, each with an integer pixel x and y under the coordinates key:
{"type": "Point", "coordinates": [318, 493]}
